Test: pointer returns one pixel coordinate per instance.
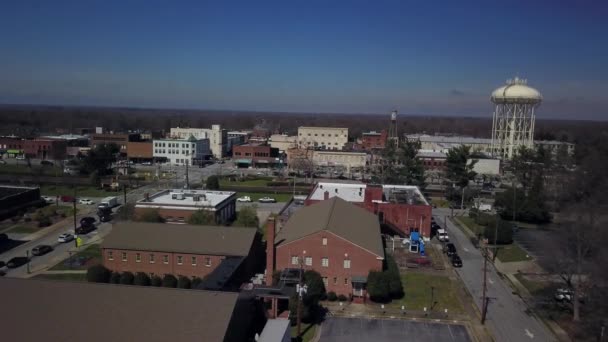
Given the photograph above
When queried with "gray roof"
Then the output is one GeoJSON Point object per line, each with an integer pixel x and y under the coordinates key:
{"type": "Point", "coordinates": [180, 238]}
{"type": "Point", "coordinates": [43, 310]}
{"type": "Point", "coordinates": [335, 215]}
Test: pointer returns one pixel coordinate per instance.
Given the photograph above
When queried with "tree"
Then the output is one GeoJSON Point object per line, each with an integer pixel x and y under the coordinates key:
{"type": "Point", "coordinates": [115, 278]}
{"type": "Point", "coordinates": [212, 183]}
{"type": "Point", "coordinates": [150, 215]}
{"type": "Point", "coordinates": [202, 217]}
{"type": "Point", "coordinates": [169, 280]}
{"type": "Point", "coordinates": [183, 282]}
{"type": "Point", "coordinates": [399, 164]}
{"type": "Point", "coordinates": [100, 158]}
{"type": "Point", "coordinates": [459, 171]}
{"type": "Point", "coordinates": [98, 274]}
{"type": "Point", "coordinates": [504, 229]}
{"type": "Point", "coordinates": [126, 278]}
{"type": "Point", "coordinates": [395, 287]}
{"type": "Point", "coordinates": [310, 301]}
{"type": "Point", "coordinates": [247, 217]}
{"type": "Point", "coordinates": [141, 279]}
{"type": "Point", "coordinates": [378, 287]}
{"type": "Point", "coordinates": [156, 281]}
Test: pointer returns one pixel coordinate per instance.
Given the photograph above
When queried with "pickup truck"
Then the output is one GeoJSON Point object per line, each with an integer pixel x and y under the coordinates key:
{"type": "Point", "coordinates": [244, 199]}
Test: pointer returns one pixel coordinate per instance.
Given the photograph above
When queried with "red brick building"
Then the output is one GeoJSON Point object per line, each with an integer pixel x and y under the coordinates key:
{"type": "Point", "coordinates": [141, 150]}
{"type": "Point", "coordinates": [182, 250]}
{"type": "Point", "coordinates": [45, 149]}
{"type": "Point", "coordinates": [373, 140]}
{"type": "Point", "coordinates": [255, 155]}
{"type": "Point", "coordinates": [335, 238]}
{"type": "Point", "coordinates": [402, 208]}
{"type": "Point", "coordinates": [433, 160]}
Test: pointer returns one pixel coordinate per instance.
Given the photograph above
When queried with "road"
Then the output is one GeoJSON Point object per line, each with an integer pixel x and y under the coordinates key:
{"type": "Point", "coordinates": [507, 319]}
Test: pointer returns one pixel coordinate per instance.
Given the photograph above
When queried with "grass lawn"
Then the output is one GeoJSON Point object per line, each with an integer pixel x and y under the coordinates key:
{"type": "Point", "coordinates": [308, 331]}
{"type": "Point", "coordinates": [257, 195]}
{"type": "Point", "coordinates": [440, 202]}
{"type": "Point", "coordinates": [23, 169]}
{"type": "Point", "coordinates": [81, 191]}
{"type": "Point", "coordinates": [470, 223]}
{"type": "Point", "coordinates": [417, 287]}
{"type": "Point", "coordinates": [92, 252]}
{"type": "Point", "coordinates": [24, 229]}
{"type": "Point", "coordinates": [250, 182]}
{"type": "Point", "coordinates": [512, 253]}
{"type": "Point", "coordinates": [534, 287]}
{"type": "Point", "coordinates": [65, 276]}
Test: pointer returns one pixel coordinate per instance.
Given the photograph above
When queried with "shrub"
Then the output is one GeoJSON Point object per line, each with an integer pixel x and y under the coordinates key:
{"type": "Point", "coordinates": [196, 282]}
{"type": "Point", "coordinates": [156, 281]}
{"type": "Point", "coordinates": [505, 233]}
{"type": "Point", "coordinates": [342, 298]}
{"type": "Point", "coordinates": [169, 280]}
{"type": "Point", "coordinates": [378, 286]}
{"type": "Point", "coordinates": [141, 279]}
{"type": "Point", "coordinates": [98, 274]}
{"type": "Point", "coordinates": [331, 296]}
{"type": "Point", "coordinates": [202, 217]}
{"type": "Point", "coordinates": [115, 278]}
{"type": "Point", "coordinates": [150, 215]}
{"type": "Point", "coordinates": [184, 282]}
{"type": "Point", "coordinates": [126, 278]}
{"type": "Point", "coordinates": [212, 183]}
{"type": "Point", "coordinates": [247, 217]}
{"type": "Point", "coordinates": [44, 222]}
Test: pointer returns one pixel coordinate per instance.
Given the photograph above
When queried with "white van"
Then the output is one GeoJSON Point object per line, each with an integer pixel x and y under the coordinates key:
{"type": "Point", "coordinates": [442, 235]}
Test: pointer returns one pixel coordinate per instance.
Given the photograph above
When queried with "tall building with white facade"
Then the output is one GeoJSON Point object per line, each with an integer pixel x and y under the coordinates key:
{"type": "Point", "coordinates": [181, 151]}
{"type": "Point", "coordinates": [283, 142]}
{"type": "Point", "coordinates": [217, 136]}
{"type": "Point", "coordinates": [329, 138]}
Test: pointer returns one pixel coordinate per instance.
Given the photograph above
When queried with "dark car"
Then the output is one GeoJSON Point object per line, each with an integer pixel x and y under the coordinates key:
{"type": "Point", "coordinates": [87, 221]}
{"type": "Point", "coordinates": [85, 229]}
{"type": "Point", "coordinates": [449, 249]}
{"type": "Point", "coordinates": [16, 262]}
{"type": "Point", "coordinates": [2, 264]}
{"type": "Point", "coordinates": [46, 162]}
{"type": "Point", "coordinates": [456, 261]}
{"type": "Point", "coordinates": [3, 238]}
{"type": "Point", "coordinates": [105, 218]}
{"type": "Point", "coordinates": [41, 250]}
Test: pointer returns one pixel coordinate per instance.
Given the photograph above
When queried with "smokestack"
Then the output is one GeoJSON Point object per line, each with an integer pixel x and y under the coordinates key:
{"type": "Point", "coordinates": [326, 195]}
{"type": "Point", "coordinates": [270, 258]}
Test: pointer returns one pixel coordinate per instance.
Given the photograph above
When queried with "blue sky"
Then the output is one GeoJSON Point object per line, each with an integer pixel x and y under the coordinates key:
{"type": "Point", "coordinates": [421, 57]}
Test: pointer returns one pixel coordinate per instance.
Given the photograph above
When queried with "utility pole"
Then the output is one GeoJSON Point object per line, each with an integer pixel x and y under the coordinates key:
{"type": "Point", "coordinates": [462, 200]}
{"type": "Point", "coordinates": [484, 296]}
{"type": "Point", "coordinates": [432, 298]}
{"type": "Point", "coordinates": [514, 192]}
{"type": "Point", "coordinates": [301, 289]}
{"type": "Point", "coordinates": [187, 179]}
{"type": "Point", "coordinates": [74, 203]}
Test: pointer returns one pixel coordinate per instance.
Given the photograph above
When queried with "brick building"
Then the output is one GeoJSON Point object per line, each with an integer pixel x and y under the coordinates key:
{"type": "Point", "coordinates": [373, 140]}
{"type": "Point", "coordinates": [140, 150]}
{"type": "Point", "coordinates": [432, 160]}
{"type": "Point", "coordinates": [45, 149]}
{"type": "Point", "coordinates": [121, 140]}
{"type": "Point", "coordinates": [401, 208]}
{"type": "Point", "coordinates": [176, 206]}
{"type": "Point", "coordinates": [221, 254]}
{"type": "Point", "coordinates": [335, 238]}
{"type": "Point", "coordinates": [11, 146]}
{"type": "Point", "coordinates": [255, 155]}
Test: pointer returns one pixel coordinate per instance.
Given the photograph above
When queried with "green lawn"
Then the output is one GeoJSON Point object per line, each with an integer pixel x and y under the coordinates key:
{"type": "Point", "coordinates": [81, 191]}
{"type": "Point", "coordinates": [257, 195]}
{"type": "Point", "coordinates": [308, 331]}
{"type": "Point", "coordinates": [24, 229]}
{"type": "Point", "coordinates": [23, 169]}
{"type": "Point", "coordinates": [93, 252]}
{"type": "Point", "coordinates": [417, 287]}
{"type": "Point", "coordinates": [470, 223]}
{"type": "Point", "coordinates": [512, 253]}
{"type": "Point", "coordinates": [250, 182]}
{"type": "Point", "coordinates": [534, 287]}
{"type": "Point", "coordinates": [440, 202]}
{"type": "Point", "coordinates": [65, 276]}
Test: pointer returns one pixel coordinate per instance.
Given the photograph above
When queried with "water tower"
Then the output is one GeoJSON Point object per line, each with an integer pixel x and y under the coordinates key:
{"type": "Point", "coordinates": [392, 130]}
{"type": "Point", "coordinates": [513, 122]}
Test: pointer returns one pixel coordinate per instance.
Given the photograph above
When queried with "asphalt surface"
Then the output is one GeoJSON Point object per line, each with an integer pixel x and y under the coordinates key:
{"type": "Point", "coordinates": [336, 329]}
{"type": "Point", "coordinates": [507, 319]}
{"type": "Point", "coordinates": [543, 245]}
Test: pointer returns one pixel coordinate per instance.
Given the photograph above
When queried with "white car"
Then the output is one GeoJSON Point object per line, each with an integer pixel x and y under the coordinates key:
{"type": "Point", "coordinates": [244, 199]}
{"type": "Point", "coordinates": [442, 235]}
{"type": "Point", "coordinates": [20, 157]}
{"type": "Point", "coordinates": [65, 237]}
{"type": "Point", "coordinates": [267, 200]}
{"type": "Point", "coordinates": [48, 199]}
{"type": "Point", "coordinates": [86, 201]}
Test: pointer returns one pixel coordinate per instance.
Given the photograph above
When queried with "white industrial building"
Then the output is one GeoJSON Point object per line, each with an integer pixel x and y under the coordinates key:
{"type": "Point", "coordinates": [181, 151]}
{"type": "Point", "coordinates": [351, 161]}
{"type": "Point", "coordinates": [327, 138]}
{"type": "Point", "coordinates": [283, 142]}
{"type": "Point", "coordinates": [217, 136]}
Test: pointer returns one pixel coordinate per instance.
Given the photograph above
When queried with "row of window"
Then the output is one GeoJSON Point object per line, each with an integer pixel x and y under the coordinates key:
{"type": "Point", "coordinates": [325, 281]}
{"type": "Point", "coordinates": [152, 258]}
{"type": "Point", "coordinates": [295, 260]}
{"type": "Point", "coordinates": [186, 152]}
{"type": "Point", "coordinates": [323, 134]}
{"type": "Point", "coordinates": [183, 145]}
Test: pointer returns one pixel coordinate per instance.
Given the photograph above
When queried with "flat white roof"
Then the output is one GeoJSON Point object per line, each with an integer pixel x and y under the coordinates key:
{"type": "Point", "coordinates": [166, 198]}
{"type": "Point", "coordinates": [355, 192]}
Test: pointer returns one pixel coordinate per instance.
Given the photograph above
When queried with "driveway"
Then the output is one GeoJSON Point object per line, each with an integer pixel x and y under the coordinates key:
{"type": "Point", "coordinates": [336, 329]}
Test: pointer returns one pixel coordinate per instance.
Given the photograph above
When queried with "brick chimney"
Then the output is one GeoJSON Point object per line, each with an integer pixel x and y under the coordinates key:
{"type": "Point", "coordinates": [326, 195]}
{"type": "Point", "coordinates": [270, 258]}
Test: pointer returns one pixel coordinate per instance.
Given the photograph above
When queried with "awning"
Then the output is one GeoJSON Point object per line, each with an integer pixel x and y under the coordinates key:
{"type": "Point", "coordinates": [359, 279]}
{"type": "Point", "coordinates": [14, 151]}
{"type": "Point", "coordinates": [263, 161]}
{"type": "Point", "coordinates": [243, 161]}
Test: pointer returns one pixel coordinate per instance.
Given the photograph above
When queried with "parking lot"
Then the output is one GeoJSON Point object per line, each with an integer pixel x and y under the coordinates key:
{"type": "Point", "coordinates": [336, 329]}
{"type": "Point", "coordinates": [539, 243]}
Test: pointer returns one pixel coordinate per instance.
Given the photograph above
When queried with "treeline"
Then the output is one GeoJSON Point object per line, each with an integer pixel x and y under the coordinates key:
{"type": "Point", "coordinates": [31, 121]}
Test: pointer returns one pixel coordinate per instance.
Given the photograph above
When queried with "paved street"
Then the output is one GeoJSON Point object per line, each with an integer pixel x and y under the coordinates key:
{"type": "Point", "coordinates": [336, 329]}
{"type": "Point", "coordinates": [506, 319]}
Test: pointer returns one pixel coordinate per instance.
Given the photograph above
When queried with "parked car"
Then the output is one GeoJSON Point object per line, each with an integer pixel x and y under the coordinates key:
{"type": "Point", "coordinates": [442, 235]}
{"type": "Point", "coordinates": [566, 295]}
{"type": "Point", "coordinates": [449, 249]}
{"type": "Point", "coordinates": [65, 237]}
{"type": "Point", "coordinates": [2, 162]}
{"type": "Point", "coordinates": [244, 199]}
{"type": "Point", "coordinates": [17, 261]}
{"type": "Point", "coordinates": [41, 250]}
{"type": "Point", "coordinates": [267, 200]}
{"type": "Point", "coordinates": [105, 218]}
{"type": "Point", "coordinates": [48, 199]}
{"type": "Point", "coordinates": [456, 261]}
{"type": "Point", "coordinates": [82, 230]}
{"type": "Point", "coordinates": [3, 237]}
{"type": "Point", "coordinates": [2, 264]}
{"type": "Point", "coordinates": [86, 201]}
{"type": "Point", "coordinates": [87, 221]}
{"type": "Point", "coordinates": [46, 163]}
{"type": "Point", "coordinates": [20, 157]}
{"type": "Point", "coordinates": [147, 163]}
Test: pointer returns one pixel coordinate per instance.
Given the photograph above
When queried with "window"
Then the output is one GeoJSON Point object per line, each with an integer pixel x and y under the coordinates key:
{"type": "Point", "coordinates": [324, 241]}
{"type": "Point", "coordinates": [294, 260]}
{"type": "Point", "coordinates": [180, 260]}
{"type": "Point", "coordinates": [346, 263]}
{"type": "Point", "coordinates": [151, 258]}
{"type": "Point", "coordinates": [325, 281]}
{"type": "Point", "coordinates": [110, 256]}
{"type": "Point", "coordinates": [124, 256]}
{"type": "Point", "coordinates": [207, 261]}
{"type": "Point", "coordinates": [193, 261]}
{"type": "Point", "coordinates": [335, 280]}
{"type": "Point", "coordinates": [325, 262]}
{"type": "Point", "coordinates": [137, 257]}
{"type": "Point", "coordinates": [165, 259]}
{"type": "Point", "coordinates": [308, 261]}
{"type": "Point", "coordinates": [345, 281]}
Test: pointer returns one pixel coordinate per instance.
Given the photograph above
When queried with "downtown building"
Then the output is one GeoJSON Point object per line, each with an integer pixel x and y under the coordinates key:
{"type": "Point", "coordinates": [218, 137]}
{"type": "Point", "coordinates": [191, 151]}
{"type": "Point", "coordinates": [326, 138]}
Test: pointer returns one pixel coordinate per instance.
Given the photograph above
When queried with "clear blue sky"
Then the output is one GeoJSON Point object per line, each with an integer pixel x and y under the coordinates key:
{"type": "Point", "coordinates": [421, 57]}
